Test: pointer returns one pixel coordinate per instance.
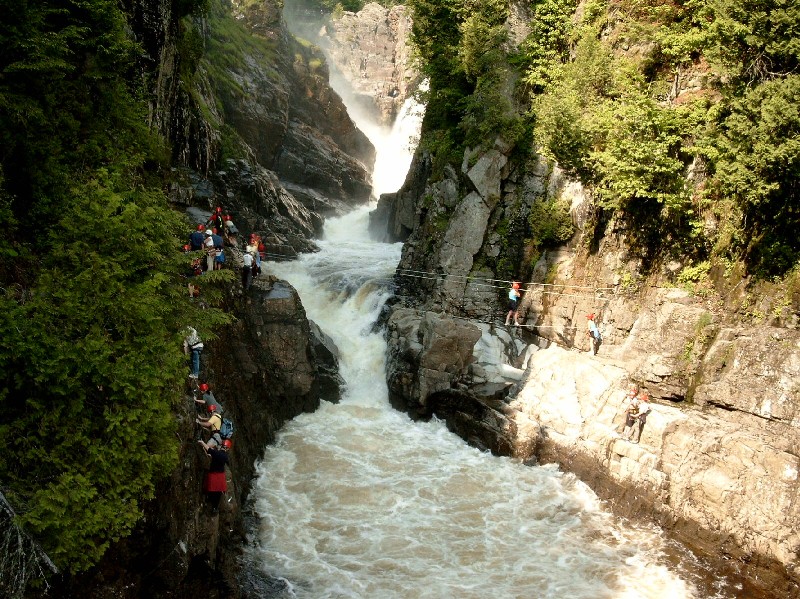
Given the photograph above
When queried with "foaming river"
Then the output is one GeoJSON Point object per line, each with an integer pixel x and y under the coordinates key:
{"type": "Point", "coordinates": [357, 501]}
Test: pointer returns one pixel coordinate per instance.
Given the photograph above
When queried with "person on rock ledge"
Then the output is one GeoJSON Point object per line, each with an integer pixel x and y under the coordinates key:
{"type": "Point", "coordinates": [644, 410]}
{"type": "Point", "coordinates": [513, 302]}
{"type": "Point", "coordinates": [594, 333]}
{"type": "Point", "coordinates": [631, 415]}
{"type": "Point", "coordinates": [215, 483]}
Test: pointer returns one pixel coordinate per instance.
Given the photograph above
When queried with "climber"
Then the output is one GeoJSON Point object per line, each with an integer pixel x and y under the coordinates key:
{"type": "Point", "coordinates": [253, 249]}
{"type": "Point", "coordinates": [192, 343]}
{"type": "Point", "coordinates": [197, 238]}
{"type": "Point", "coordinates": [230, 231]}
{"type": "Point", "coordinates": [219, 251]}
{"type": "Point", "coordinates": [513, 301]}
{"type": "Point", "coordinates": [215, 220]}
{"type": "Point", "coordinates": [215, 483]}
{"type": "Point", "coordinates": [213, 422]}
{"type": "Point", "coordinates": [247, 270]}
{"type": "Point", "coordinates": [208, 398]}
{"type": "Point", "coordinates": [644, 410]}
{"type": "Point", "coordinates": [208, 246]}
{"type": "Point", "coordinates": [631, 416]}
{"type": "Point", "coordinates": [594, 333]}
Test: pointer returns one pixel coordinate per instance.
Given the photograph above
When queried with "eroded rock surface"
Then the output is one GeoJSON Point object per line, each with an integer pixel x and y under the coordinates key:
{"type": "Point", "coordinates": [369, 49]}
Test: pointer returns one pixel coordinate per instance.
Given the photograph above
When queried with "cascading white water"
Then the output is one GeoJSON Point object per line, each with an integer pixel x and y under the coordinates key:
{"type": "Point", "coordinates": [357, 501]}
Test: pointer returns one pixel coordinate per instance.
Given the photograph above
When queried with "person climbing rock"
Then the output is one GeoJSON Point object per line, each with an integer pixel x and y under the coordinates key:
{"type": "Point", "coordinates": [631, 417]}
{"type": "Point", "coordinates": [192, 344]}
{"type": "Point", "coordinates": [644, 410]}
{"type": "Point", "coordinates": [252, 249]}
{"type": "Point", "coordinates": [213, 422]}
{"type": "Point", "coordinates": [594, 333]}
{"type": "Point", "coordinates": [197, 238]}
{"type": "Point", "coordinates": [247, 270]}
{"type": "Point", "coordinates": [215, 483]}
{"type": "Point", "coordinates": [208, 399]}
{"type": "Point", "coordinates": [513, 302]}
{"type": "Point", "coordinates": [216, 220]}
{"type": "Point", "coordinates": [219, 250]}
{"type": "Point", "coordinates": [208, 246]}
{"type": "Point", "coordinates": [230, 232]}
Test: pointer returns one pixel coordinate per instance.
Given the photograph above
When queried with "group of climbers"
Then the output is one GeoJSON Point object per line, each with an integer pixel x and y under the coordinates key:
{"type": "Point", "coordinates": [217, 446]}
{"type": "Point", "coordinates": [211, 238]}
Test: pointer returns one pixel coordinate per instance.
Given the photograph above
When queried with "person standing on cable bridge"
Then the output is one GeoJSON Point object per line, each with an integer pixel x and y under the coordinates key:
{"type": "Point", "coordinates": [513, 302]}
{"type": "Point", "coordinates": [594, 333]}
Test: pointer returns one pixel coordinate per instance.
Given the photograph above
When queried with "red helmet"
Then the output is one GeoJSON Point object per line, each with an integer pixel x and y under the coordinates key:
{"type": "Point", "coordinates": [201, 227]}
{"type": "Point", "coordinates": [226, 217]}
{"type": "Point", "coordinates": [227, 443]}
{"type": "Point", "coordinates": [186, 247]}
{"type": "Point", "coordinates": [219, 208]}
{"type": "Point", "coordinates": [212, 408]}
{"type": "Point", "coordinates": [203, 386]}
{"type": "Point", "coordinates": [515, 285]}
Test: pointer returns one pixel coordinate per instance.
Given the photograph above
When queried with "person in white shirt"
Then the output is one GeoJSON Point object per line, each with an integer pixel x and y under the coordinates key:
{"type": "Point", "coordinates": [247, 270]}
{"type": "Point", "coordinates": [644, 410]}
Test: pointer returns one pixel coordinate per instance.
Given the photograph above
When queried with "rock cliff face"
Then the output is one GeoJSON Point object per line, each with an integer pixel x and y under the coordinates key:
{"type": "Point", "coordinates": [234, 84]}
{"type": "Point", "coordinates": [267, 368]}
{"type": "Point", "coordinates": [369, 50]}
{"type": "Point", "coordinates": [368, 54]}
{"type": "Point", "coordinates": [267, 138]}
{"type": "Point", "coordinates": [718, 460]}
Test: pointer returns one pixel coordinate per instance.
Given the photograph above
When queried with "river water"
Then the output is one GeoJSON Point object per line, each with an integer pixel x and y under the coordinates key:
{"type": "Point", "coordinates": [357, 501]}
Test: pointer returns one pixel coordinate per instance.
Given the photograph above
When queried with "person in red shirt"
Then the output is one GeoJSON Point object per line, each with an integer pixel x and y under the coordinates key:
{"type": "Point", "coordinates": [215, 483]}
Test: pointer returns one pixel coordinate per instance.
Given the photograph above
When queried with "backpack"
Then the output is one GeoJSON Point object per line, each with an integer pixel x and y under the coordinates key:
{"type": "Point", "coordinates": [226, 429]}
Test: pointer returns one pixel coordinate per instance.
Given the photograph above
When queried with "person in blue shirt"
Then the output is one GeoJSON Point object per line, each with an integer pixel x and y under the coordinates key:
{"type": "Point", "coordinates": [513, 303]}
{"type": "Point", "coordinates": [196, 238]}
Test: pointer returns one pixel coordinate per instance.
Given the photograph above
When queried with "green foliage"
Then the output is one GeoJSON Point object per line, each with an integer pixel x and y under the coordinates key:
{"type": "Point", "coordinates": [92, 294]}
{"type": "Point", "coordinates": [695, 279]}
{"type": "Point", "coordinates": [755, 39]}
{"type": "Point", "coordinates": [757, 158]}
{"type": "Point", "coordinates": [602, 85]}
{"type": "Point", "coordinates": [550, 222]}
{"type": "Point", "coordinates": [640, 161]}
{"type": "Point", "coordinates": [547, 45]}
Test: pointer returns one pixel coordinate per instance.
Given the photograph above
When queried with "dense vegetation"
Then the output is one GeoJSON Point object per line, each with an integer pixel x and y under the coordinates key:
{"type": "Point", "coordinates": [91, 293]}
{"type": "Point", "coordinates": [709, 170]}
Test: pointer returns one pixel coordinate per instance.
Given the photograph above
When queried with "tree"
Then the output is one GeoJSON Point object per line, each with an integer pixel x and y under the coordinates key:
{"type": "Point", "coordinates": [90, 289]}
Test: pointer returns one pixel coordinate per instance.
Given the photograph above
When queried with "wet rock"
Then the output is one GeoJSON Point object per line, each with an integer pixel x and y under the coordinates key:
{"type": "Point", "coordinates": [369, 48]}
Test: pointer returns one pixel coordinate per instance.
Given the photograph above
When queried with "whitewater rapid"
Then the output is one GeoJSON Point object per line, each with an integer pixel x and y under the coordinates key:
{"type": "Point", "coordinates": [357, 501]}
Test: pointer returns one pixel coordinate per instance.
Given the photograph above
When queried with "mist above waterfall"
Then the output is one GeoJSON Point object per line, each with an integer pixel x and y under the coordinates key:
{"type": "Point", "coordinates": [394, 142]}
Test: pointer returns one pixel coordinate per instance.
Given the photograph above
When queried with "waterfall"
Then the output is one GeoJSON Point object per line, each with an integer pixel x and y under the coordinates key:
{"type": "Point", "coordinates": [358, 501]}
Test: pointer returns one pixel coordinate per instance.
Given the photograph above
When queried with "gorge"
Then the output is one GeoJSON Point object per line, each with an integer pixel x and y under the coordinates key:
{"type": "Point", "coordinates": [350, 363]}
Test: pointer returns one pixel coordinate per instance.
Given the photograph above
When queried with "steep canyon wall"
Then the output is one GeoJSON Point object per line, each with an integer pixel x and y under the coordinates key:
{"type": "Point", "coordinates": [719, 458]}
{"type": "Point", "coordinates": [252, 125]}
